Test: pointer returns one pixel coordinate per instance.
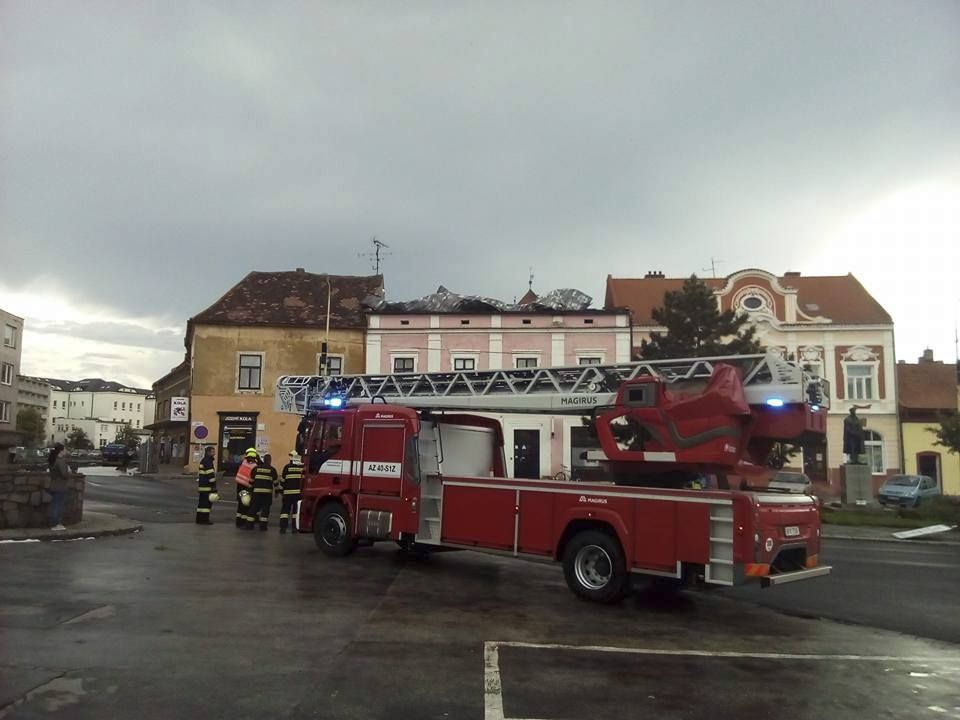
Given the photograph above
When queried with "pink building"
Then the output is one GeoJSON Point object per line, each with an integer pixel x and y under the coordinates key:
{"type": "Point", "coordinates": [445, 332]}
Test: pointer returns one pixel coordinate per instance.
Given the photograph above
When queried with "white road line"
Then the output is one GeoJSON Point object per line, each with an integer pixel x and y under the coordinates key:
{"type": "Point", "coordinates": [901, 563]}
{"type": "Point", "coordinates": [492, 690]}
{"type": "Point", "coordinates": [729, 653]}
{"type": "Point", "coordinates": [493, 687]}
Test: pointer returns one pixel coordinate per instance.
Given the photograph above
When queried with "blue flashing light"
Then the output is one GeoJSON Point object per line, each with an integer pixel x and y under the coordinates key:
{"type": "Point", "coordinates": [333, 402]}
{"type": "Point", "coordinates": [775, 402]}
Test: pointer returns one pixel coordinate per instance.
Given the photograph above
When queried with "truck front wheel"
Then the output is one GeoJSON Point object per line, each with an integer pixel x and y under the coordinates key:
{"type": "Point", "coordinates": [331, 530]}
{"type": "Point", "coordinates": [594, 567]}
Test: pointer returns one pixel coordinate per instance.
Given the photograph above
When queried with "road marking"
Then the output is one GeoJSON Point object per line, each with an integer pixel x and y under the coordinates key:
{"type": "Point", "coordinates": [493, 686]}
{"type": "Point", "coordinates": [902, 563]}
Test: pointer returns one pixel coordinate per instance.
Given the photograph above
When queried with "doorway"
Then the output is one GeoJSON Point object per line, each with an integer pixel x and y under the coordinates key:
{"type": "Point", "coordinates": [238, 432]}
{"type": "Point", "coordinates": [526, 454]}
{"type": "Point", "coordinates": [928, 463]}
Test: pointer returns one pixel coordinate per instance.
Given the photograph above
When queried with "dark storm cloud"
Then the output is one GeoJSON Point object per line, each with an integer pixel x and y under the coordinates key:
{"type": "Point", "coordinates": [152, 157]}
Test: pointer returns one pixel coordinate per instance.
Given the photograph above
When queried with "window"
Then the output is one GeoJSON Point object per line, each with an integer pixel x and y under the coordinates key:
{"type": "Point", "coordinates": [6, 374]}
{"type": "Point", "coordinates": [464, 322]}
{"type": "Point", "coordinates": [251, 367]}
{"type": "Point", "coordinates": [404, 322]}
{"type": "Point", "coordinates": [526, 362]}
{"type": "Point", "coordinates": [10, 335]}
{"type": "Point", "coordinates": [114, 404]}
{"type": "Point", "coordinates": [138, 423]}
{"type": "Point", "coordinates": [123, 406]}
{"type": "Point", "coordinates": [334, 365]}
{"type": "Point", "coordinates": [403, 364]}
{"type": "Point", "coordinates": [4, 411]}
{"type": "Point", "coordinates": [103, 442]}
{"type": "Point", "coordinates": [526, 321]}
{"type": "Point", "coordinates": [873, 447]}
{"type": "Point", "coordinates": [327, 442]}
{"type": "Point", "coordinates": [860, 381]}
{"type": "Point", "coordinates": [138, 407]}
{"type": "Point", "coordinates": [464, 364]}
{"type": "Point", "coordinates": [588, 321]}
{"type": "Point", "coordinates": [589, 360]}
{"type": "Point", "coordinates": [54, 404]}
{"type": "Point", "coordinates": [752, 302]}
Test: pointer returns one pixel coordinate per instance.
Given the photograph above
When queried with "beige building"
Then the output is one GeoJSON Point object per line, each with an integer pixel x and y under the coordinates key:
{"type": "Point", "coordinates": [269, 324]}
{"type": "Point", "coordinates": [928, 391]}
{"type": "Point", "coordinates": [34, 393]}
{"type": "Point", "coordinates": [831, 325]}
{"type": "Point", "coordinates": [10, 349]}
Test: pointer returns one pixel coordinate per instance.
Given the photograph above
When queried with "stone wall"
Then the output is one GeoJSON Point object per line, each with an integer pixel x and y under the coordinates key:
{"type": "Point", "coordinates": [24, 498]}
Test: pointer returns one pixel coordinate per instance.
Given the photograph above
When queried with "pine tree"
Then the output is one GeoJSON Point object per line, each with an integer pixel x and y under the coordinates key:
{"type": "Point", "coordinates": [696, 328]}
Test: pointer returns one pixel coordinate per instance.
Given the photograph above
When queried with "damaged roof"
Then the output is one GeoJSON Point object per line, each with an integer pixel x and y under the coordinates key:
{"type": "Point", "coordinates": [295, 299]}
{"type": "Point", "coordinates": [445, 301]}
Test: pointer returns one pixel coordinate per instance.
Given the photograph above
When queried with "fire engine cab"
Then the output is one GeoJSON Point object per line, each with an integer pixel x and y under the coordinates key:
{"type": "Point", "coordinates": [399, 458]}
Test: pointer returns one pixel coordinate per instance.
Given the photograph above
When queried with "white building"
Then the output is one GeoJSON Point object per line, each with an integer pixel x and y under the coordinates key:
{"type": "Point", "coordinates": [99, 432]}
{"type": "Point", "coordinates": [100, 400]}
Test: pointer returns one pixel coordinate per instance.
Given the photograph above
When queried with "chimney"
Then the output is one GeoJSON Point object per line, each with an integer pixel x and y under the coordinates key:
{"type": "Point", "coordinates": [927, 356]}
{"type": "Point", "coordinates": [653, 274]}
{"type": "Point", "coordinates": [792, 273]}
{"type": "Point", "coordinates": [300, 270]}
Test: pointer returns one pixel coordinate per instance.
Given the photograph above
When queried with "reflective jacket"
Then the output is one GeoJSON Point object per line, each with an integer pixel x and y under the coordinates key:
{"type": "Point", "coordinates": [264, 479]}
{"type": "Point", "coordinates": [245, 472]}
{"type": "Point", "coordinates": [207, 476]}
{"type": "Point", "coordinates": [292, 476]}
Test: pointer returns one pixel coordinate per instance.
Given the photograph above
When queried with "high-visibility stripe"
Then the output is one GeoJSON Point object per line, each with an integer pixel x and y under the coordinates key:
{"type": "Point", "coordinates": [262, 490]}
{"type": "Point", "coordinates": [291, 492]}
{"type": "Point", "coordinates": [756, 569]}
{"type": "Point", "coordinates": [206, 510]}
{"type": "Point", "coordinates": [207, 473]}
{"type": "Point", "coordinates": [204, 489]}
{"type": "Point", "coordinates": [284, 516]}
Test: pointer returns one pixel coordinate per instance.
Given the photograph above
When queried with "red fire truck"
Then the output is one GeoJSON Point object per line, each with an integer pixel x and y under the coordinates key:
{"type": "Point", "coordinates": [395, 457]}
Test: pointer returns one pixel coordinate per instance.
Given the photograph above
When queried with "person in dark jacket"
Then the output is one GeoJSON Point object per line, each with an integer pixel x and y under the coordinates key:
{"type": "Point", "coordinates": [289, 489]}
{"type": "Point", "coordinates": [59, 477]}
{"type": "Point", "coordinates": [264, 481]}
{"type": "Point", "coordinates": [206, 486]}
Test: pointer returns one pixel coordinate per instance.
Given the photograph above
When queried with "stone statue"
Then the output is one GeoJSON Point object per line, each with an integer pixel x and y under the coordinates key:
{"type": "Point", "coordinates": [853, 437]}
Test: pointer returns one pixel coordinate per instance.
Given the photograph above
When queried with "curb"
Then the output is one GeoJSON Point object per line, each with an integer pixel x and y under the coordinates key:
{"type": "Point", "coordinates": [116, 526]}
{"type": "Point", "coordinates": [861, 538]}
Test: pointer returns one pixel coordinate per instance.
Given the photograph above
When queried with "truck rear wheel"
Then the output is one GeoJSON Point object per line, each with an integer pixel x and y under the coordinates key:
{"type": "Point", "coordinates": [331, 530]}
{"type": "Point", "coordinates": [594, 567]}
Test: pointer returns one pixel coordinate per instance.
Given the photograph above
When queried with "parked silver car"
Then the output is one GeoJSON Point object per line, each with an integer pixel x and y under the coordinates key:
{"type": "Point", "coordinates": [788, 481]}
{"type": "Point", "coordinates": [907, 490]}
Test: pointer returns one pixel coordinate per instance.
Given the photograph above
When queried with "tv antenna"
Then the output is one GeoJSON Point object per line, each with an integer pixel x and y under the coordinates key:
{"type": "Point", "coordinates": [713, 267]}
{"type": "Point", "coordinates": [377, 255]}
{"type": "Point", "coordinates": [530, 280]}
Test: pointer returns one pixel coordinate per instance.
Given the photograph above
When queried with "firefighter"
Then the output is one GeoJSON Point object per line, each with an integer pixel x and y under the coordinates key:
{"type": "Point", "coordinates": [244, 479]}
{"type": "Point", "coordinates": [206, 486]}
{"type": "Point", "coordinates": [264, 482]}
{"type": "Point", "coordinates": [289, 489]}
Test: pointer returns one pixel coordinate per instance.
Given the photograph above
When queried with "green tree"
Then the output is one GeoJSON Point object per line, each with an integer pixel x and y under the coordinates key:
{"type": "Point", "coordinates": [30, 423]}
{"type": "Point", "coordinates": [948, 434]}
{"type": "Point", "coordinates": [695, 328]}
{"type": "Point", "coordinates": [77, 440]}
{"type": "Point", "coordinates": [127, 436]}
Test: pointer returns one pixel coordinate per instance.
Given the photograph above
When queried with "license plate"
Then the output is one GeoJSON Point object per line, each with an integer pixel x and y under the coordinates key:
{"type": "Point", "coordinates": [791, 531]}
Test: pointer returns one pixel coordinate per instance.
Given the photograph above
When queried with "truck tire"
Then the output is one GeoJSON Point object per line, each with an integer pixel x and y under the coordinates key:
{"type": "Point", "coordinates": [332, 532]}
{"type": "Point", "coordinates": [594, 567]}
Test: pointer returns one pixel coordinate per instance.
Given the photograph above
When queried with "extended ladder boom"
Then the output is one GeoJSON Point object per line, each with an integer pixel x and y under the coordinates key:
{"type": "Point", "coordinates": [566, 390]}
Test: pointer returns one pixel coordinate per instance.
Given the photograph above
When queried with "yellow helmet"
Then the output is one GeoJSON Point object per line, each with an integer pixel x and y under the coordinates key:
{"type": "Point", "coordinates": [214, 496]}
{"type": "Point", "coordinates": [251, 452]}
{"type": "Point", "coordinates": [245, 498]}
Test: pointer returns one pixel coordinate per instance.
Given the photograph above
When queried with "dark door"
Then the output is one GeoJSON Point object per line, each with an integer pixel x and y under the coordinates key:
{"type": "Point", "coordinates": [928, 464]}
{"type": "Point", "coordinates": [237, 434]}
{"type": "Point", "coordinates": [526, 454]}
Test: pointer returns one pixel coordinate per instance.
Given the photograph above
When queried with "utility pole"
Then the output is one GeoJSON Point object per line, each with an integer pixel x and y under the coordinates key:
{"type": "Point", "coordinates": [326, 338]}
{"type": "Point", "coordinates": [376, 256]}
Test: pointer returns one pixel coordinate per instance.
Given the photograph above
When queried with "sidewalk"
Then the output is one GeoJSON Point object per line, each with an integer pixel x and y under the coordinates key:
{"type": "Point", "coordinates": [94, 524]}
{"type": "Point", "coordinates": [880, 534]}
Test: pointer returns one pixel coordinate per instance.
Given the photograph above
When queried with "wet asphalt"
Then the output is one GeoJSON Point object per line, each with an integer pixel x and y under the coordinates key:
{"type": "Point", "coordinates": [182, 621]}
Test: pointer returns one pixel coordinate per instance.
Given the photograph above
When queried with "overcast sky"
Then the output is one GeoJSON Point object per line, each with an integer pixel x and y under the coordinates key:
{"type": "Point", "coordinates": [151, 154]}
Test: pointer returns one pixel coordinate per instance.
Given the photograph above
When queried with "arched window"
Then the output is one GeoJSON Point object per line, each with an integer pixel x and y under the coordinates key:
{"type": "Point", "coordinates": [873, 447]}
